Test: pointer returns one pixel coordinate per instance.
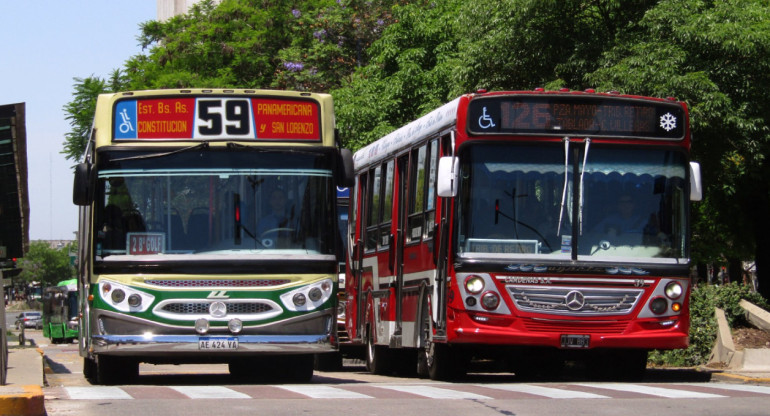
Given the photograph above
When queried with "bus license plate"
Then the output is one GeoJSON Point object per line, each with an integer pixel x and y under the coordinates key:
{"type": "Point", "coordinates": [575, 341]}
{"type": "Point", "coordinates": [213, 343]}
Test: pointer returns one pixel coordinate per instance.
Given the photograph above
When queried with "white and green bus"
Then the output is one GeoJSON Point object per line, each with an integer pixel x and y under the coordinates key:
{"type": "Point", "coordinates": [208, 232]}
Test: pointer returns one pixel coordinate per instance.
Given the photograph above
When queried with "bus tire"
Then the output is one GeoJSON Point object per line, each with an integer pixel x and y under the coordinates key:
{"type": "Point", "coordinates": [116, 370]}
{"type": "Point", "coordinates": [442, 362]}
{"type": "Point", "coordinates": [377, 356]}
{"type": "Point", "coordinates": [328, 362]}
{"type": "Point", "coordinates": [298, 368]}
{"type": "Point", "coordinates": [89, 370]}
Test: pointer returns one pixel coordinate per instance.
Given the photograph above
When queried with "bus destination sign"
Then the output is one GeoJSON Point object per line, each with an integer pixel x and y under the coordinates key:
{"type": "Point", "coordinates": [211, 118]}
{"type": "Point", "coordinates": [576, 115]}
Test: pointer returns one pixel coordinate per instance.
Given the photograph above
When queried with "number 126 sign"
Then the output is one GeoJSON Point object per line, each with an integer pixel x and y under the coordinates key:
{"type": "Point", "coordinates": [234, 118]}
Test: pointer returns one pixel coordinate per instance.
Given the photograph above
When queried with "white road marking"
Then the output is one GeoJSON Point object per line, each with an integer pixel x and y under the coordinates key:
{"type": "Point", "coordinates": [324, 392]}
{"type": "Point", "coordinates": [434, 392]}
{"type": "Point", "coordinates": [653, 391]}
{"type": "Point", "coordinates": [544, 391]}
{"type": "Point", "coordinates": [209, 392]}
{"type": "Point", "coordinates": [734, 387]}
{"type": "Point", "coordinates": [97, 393]}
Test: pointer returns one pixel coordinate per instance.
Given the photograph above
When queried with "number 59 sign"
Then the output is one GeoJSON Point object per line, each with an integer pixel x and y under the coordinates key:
{"type": "Point", "coordinates": [212, 118]}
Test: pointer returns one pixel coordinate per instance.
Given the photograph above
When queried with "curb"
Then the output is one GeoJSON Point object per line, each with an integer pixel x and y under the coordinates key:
{"type": "Point", "coordinates": [741, 377]}
{"type": "Point", "coordinates": [23, 400]}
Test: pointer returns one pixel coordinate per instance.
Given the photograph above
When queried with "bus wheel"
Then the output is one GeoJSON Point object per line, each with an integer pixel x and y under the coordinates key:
{"type": "Point", "coordinates": [621, 365]}
{"type": "Point", "coordinates": [116, 370]}
{"type": "Point", "coordinates": [328, 362]}
{"type": "Point", "coordinates": [298, 368]}
{"type": "Point", "coordinates": [89, 370]}
{"type": "Point", "coordinates": [377, 356]}
{"type": "Point", "coordinates": [442, 363]}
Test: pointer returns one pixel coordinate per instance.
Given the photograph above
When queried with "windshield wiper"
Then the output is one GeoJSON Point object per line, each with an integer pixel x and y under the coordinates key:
{"type": "Point", "coordinates": [238, 146]}
{"type": "Point", "coordinates": [201, 146]}
{"type": "Point", "coordinates": [580, 187]}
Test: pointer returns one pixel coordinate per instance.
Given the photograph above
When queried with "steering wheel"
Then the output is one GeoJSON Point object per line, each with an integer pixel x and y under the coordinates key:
{"type": "Point", "coordinates": [263, 236]}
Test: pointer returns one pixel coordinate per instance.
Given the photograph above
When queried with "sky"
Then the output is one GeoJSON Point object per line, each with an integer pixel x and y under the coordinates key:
{"type": "Point", "coordinates": [46, 44]}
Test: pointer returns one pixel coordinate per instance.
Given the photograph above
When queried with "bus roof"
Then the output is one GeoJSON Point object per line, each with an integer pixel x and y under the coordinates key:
{"type": "Point", "coordinates": [412, 133]}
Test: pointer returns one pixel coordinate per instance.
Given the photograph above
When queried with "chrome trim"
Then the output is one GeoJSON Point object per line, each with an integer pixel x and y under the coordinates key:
{"type": "Point", "coordinates": [201, 308]}
{"type": "Point", "coordinates": [164, 344]}
{"type": "Point", "coordinates": [575, 301]}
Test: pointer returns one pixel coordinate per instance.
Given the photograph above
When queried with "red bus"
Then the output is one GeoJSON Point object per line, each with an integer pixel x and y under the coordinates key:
{"type": "Point", "coordinates": [532, 228]}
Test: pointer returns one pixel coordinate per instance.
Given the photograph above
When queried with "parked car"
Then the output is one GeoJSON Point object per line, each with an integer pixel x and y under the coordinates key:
{"type": "Point", "coordinates": [29, 320]}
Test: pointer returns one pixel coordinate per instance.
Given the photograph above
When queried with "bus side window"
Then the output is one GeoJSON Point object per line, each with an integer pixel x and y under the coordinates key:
{"type": "Point", "coordinates": [372, 209]}
{"type": "Point", "coordinates": [417, 186]}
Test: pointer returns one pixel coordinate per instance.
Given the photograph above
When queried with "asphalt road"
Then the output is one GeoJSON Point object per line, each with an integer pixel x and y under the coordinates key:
{"type": "Point", "coordinates": [193, 390]}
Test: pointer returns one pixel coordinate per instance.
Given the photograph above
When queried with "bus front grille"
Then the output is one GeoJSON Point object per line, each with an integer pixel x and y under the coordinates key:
{"type": "Point", "coordinates": [194, 309]}
{"type": "Point", "coordinates": [571, 301]}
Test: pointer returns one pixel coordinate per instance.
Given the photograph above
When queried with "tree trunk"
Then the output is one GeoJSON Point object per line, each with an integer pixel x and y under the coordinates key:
{"type": "Point", "coordinates": [759, 207]}
{"type": "Point", "coordinates": [735, 270]}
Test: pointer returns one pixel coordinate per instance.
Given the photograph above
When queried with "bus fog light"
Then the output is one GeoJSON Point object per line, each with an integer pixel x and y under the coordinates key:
{"type": "Point", "coordinates": [315, 294]}
{"type": "Point", "coordinates": [299, 299]}
{"type": "Point", "coordinates": [235, 326]}
{"type": "Point", "coordinates": [474, 284]}
{"type": "Point", "coordinates": [490, 301]}
{"type": "Point", "coordinates": [470, 301]}
{"type": "Point", "coordinates": [202, 326]}
{"type": "Point", "coordinates": [134, 300]}
{"type": "Point", "coordinates": [118, 295]}
{"type": "Point", "coordinates": [674, 290]}
{"type": "Point", "coordinates": [658, 306]}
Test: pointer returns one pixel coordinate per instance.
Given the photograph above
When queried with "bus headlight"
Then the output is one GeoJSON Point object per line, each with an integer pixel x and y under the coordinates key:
{"type": "Point", "coordinates": [118, 295]}
{"type": "Point", "coordinates": [474, 284]}
{"type": "Point", "coordinates": [235, 326]}
{"type": "Point", "coordinates": [134, 300]}
{"type": "Point", "coordinates": [659, 305]}
{"type": "Point", "coordinates": [674, 290]}
{"type": "Point", "coordinates": [124, 298]}
{"type": "Point", "coordinates": [490, 301]}
{"type": "Point", "coordinates": [310, 297]}
{"type": "Point", "coordinates": [201, 325]}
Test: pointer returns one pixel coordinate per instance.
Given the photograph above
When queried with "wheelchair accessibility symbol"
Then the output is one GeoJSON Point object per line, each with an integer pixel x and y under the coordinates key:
{"type": "Point", "coordinates": [485, 121]}
{"type": "Point", "coordinates": [126, 125]}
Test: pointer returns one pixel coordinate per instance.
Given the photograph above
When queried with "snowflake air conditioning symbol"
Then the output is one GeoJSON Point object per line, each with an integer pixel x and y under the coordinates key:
{"type": "Point", "coordinates": [668, 122]}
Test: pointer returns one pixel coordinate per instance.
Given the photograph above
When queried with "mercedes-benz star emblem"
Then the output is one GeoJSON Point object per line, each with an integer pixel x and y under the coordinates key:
{"type": "Point", "coordinates": [218, 309]}
{"type": "Point", "coordinates": [575, 300]}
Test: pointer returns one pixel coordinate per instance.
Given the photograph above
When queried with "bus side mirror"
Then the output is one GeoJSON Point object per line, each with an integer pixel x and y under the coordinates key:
{"type": "Point", "coordinates": [82, 191]}
{"type": "Point", "coordinates": [346, 174]}
{"type": "Point", "coordinates": [696, 186]}
{"type": "Point", "coordinates": [448, 169]}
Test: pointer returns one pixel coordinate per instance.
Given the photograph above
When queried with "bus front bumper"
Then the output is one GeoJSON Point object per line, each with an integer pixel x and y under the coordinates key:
{"type": "Point", "coordinates": [140, 345]}
{"type": "Point", "coordinates": [125, 335]}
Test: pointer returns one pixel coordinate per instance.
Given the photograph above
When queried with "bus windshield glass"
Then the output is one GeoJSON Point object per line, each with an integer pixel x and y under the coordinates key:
{"type": "Point", "coordinates": [219, 201]}
{"type": "Point", "coordinates": [522, 201]}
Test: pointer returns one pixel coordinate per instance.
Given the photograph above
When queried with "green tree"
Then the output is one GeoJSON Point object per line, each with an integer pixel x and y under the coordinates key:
{"type": "Point", "coordinates": [409, 74]}
{"type": "Point", "coordinates": [46, 265]}
{"type": "Point", "coordinates": [80, 114]}
{"type": "Point", "coordinates": [712, 55]}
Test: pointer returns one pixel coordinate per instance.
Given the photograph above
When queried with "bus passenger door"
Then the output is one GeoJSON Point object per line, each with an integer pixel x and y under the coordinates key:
{"type": "Point", "coordinates": [401, 187]}
{"type": "Point", "coordinates": [357, 296]}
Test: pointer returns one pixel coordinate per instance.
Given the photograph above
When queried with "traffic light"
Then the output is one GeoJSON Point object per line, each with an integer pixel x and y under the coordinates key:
{"type": "Point", "coordinates": [13, 263]}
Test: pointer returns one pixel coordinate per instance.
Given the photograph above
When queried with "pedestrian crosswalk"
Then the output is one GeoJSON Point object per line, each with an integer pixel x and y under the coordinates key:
{"type": "Point", "coordinates": [417, 390]}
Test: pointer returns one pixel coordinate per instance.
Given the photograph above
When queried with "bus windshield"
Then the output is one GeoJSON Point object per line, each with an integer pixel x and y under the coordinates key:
{"type": "Point", "coordinates": [520, 201]}
{"type": "Point", "coordinates": [218, 201]}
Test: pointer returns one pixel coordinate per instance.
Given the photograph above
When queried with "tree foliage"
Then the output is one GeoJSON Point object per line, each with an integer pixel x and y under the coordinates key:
{"type": "Point", "coordinates": [46, 265]}
{"type": "Point", "coordinates": [389, 61]}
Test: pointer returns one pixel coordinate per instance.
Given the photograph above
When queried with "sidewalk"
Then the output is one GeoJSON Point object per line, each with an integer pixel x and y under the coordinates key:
{"type": "Point", "coordinates": [749, 365]}
{"type": "Point", "coordinates": [23, 394]}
